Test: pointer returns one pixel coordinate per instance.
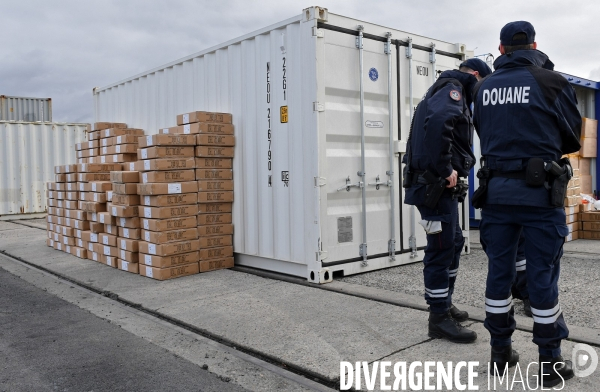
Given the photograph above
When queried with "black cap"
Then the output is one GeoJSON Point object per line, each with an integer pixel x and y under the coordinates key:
{"type": "Point", "coordinates": [512, 28]}
{"type": "Point", "coordinates": [477, 65]}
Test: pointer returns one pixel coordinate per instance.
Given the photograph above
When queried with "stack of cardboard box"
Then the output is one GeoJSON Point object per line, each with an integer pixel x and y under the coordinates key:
{"type": "Point", "coordinates": [589, 143]}
{"type": "Point", "coordinates": [591, 225]}
{"type": "Point", "coordinates": [168, 196]}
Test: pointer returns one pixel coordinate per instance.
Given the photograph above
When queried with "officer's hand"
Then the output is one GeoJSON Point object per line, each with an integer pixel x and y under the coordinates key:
{"type": "Point", "coordinates": [452, 179]}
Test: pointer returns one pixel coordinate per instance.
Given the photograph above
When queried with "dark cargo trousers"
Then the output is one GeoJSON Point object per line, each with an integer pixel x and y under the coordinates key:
{"type": "Point", "coordinates": [442, 254]}
{"type": "Point", "coordinates": [544, 230]}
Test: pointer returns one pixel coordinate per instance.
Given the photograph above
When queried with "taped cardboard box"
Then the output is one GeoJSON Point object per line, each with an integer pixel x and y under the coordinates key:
{"type": "Point", "coordinates": [215, 185]}
{"type": "Point", "coordinates": [591, 235]}
{"type": "Point", "coordinates": [587, 184]}
{"type": "Point", "coordinates": [169, 200]}
{"type": "Point", "coordinates": [221, 219]}
{"type": "Point", "coordinates": [124, 139]}
{"type": "Point", "coordinates": [215, 230]}
{"type": "Point", "coordinates": [214, 163]}
{"type": "Point", "coordinates": [169, 261]}
{"type": "Point", "coordinates": [215, 197]}
{"type": "Point", "coordinates": [585, 166]}
{"type": "Point", "coordinates": [590, 216]}
{"type": "Point", "coordinates": [162, 237]}
{"type": "Point", "coordinates": [216, 253]}
{"type": "Point", "coordinates": [131, 223]}
{"type": "Point", "coordinates": [96, 227]}
{"type": "Point", "coordinates": [98, 197]}
{"type": "Point", "coordinates": [574, 235]}
{"type": "Point", "coordinates": [118, 158]}
{"type": "Point", "coordinates": [126, 149]}
{"type": "Point", "coordinates": [133, 234]}
{"type": "Point", "coordinates": [111, 229]}
{"type": "Point", "coordinates": [124, 211]}
{"type": "Point", "coordinates": [124, 176]}
{"type": "Point", "coordinates": [589, 147]}
{"type": "Point", "coordinates": [586, 207]}
{"type": "Point", "coordinates": [132, 257]}
{"type": "Point", "coordinates": [591, 226]}
{"type": "Point", "coordinates": [168, 249]}
{"type": "Point", "coordinates": [215, 208]}
{"type": "Point", "coordinates": [91, 206]}
{"type": "Point", "coordinates": [214, 174]}
{"type": "Point", "coordinates": [167, 140]}
{"type": "Point", "coordinates": [571, 201]}
{"type": "Point", "coordinates": [165, 152]}
{"type": "Point", "coordinates": [169, 224]}
{"type": "Point", "coordinates": [99, 168]}
{"type": "Point", "coordinates": [107, 239]}
{"type": "Point", "coordinates": [200, 116]}
{"type": "Point", "coordinates": [167, 176]}
{"type": "Point", "coordinates": [167, 189]}
{"type": "Point", "coordinates": [105, 125]}
{"type": "Point", "coordinates": [215, 140]}
{"type": "Point", "coordinates": [216, 264]}
{"type": "Point", "coordinates": [125, 189]}
{"type": "Point", "coordinates": [589, 128]}
{"type": "Point", "coordinates": [87, 145]}
{"type": "Point", "coordinates": [216, 241]}
{"type": "Point", "coordinates": [88, 236]}
{"type": "Point", "coordinates": [79, 252]}
{"type": "Point", "coordinates": [110, 261]}
{"type": "Point", "coordinates": [128, 266]}
{"type": "Point", "coordinates": [168, 164]}
{"type": "Point", "coordinates": [111, 132]}
{"type": "Point", "coordinates": [88, 177]}
{"type": "Point", "coordinates": [201, 128]}
{"type": "Point", "coordinates": [128, 245]}
{"type": "Point", "coordinates": [170, 272]}
{"type": "Point", "coordinates": [125, 200]}
{"type": "Point", "coordinates": [60, 178]}
{"type": "Point", "coordinates": [573, 191]}
{"type": "Point", "coordinates": [214, 152]}
{"type": "Point", "coordinates": [168, 212]}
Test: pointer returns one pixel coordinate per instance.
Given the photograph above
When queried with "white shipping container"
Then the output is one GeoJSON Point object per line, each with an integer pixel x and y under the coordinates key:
{"type": "Point", "coordinates": [322, 110]}
{"type": "Point", "coordinates": [25, 109]}
{"type": "Point", "coordinates": [28, 154]}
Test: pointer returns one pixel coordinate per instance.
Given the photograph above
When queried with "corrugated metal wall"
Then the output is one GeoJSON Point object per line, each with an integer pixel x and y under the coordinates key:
{"type": "Point", "coordinates": [25, 109]}
{"type": "Point", "coordinates": [28, 154]}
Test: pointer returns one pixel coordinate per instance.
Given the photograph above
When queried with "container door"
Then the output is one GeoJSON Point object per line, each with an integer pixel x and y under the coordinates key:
{"type": "Point", "coordinates": [348, 138]}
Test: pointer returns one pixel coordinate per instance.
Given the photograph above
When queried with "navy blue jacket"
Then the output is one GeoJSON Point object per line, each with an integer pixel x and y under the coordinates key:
{"type": "Point", "coordinates": [521, 111]}
{"type": "Point", "coordinates": [442, 131]}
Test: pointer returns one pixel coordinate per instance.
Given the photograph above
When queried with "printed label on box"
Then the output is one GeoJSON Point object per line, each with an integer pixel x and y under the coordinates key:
{"type": "Point", "coordinates": [149, 140]}
{"type": "Point", "coordinates": [186, 118]}
{"type": "Point", "coordinates": [147, 212]}
{"type": "Point", "coordinates": [147, 236]}
{"type": "Point", "coordinates": [118, 148]}
{"type": "Point", "coordinates": [105, 240]}
{"type": "Point", "coordinates": [123, 243]}
{"type": "Point", "coordinates": [125, 264]}
{"type": "Point", "coordinates": [152, 249]}
{"type": "Point", "coordinates": [147, 259]}
{"type": "Point", "coordinates": [126, 232]}
{"type": "Point", "coordinates": [94, 256]}
{"type": "Point", "coordinates": [146, 199]}
{"type": "Point", "coordinates": [186, 128]}
{"type": "Point", "coordinates": [146, 225]}
{"type": "Point", "coordinates": [174, 188]}
{"type": "Point", "coordinates": [107, 250]}
{"type": "Point", "coordinates": [145, 177]}
{"type": "Point", "coordinates": [146, 165]}
{"type": "Point", "coordinates": [94, 237]}
{"type": "Point", "coordinates": [144, 154]}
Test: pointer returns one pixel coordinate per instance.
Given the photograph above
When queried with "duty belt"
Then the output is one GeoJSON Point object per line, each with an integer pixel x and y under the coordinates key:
{"type": "Point", "coordinates": [517, 175]}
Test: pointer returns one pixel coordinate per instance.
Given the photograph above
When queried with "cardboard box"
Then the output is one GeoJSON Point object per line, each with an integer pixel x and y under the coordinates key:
{"type": "Point", "coordinates": [585, 207]}
{"type": "Point", "coordinates": [571, 201]}
{"type": "Point", "coordinates": [68, 241]}
{"type": "Point", "coordinates": [589, 128]}
{"type": "Point", "coordinates": [573, 191]}
{"type": "Point", "coordinates": [590, 216]}
{"type": "Point", "coordinates": [575, 226]}
{"type": "Point", "coordinates": [128, 266]}
{"type": "Point", "coordinates": [87, 145]}
{"type": "Point", "coordinates": [216, 241]}
{"type": "Point", "coordinates": [215, 230]}
{"type": "Point", "coordinates": [125, 139]}
{"type": "Point", "coordinates": [162, 237]}
{"type": "Point", "coordinates": [202, 128]}
{"type": "Point", "coordinates": [96, 197]}
{"type": "Point", "coordinates": [124, 176]}
{"type": "Point", "coordinates": [133, 166]}
{"type": "Point", "coordinates": [589, 147]}
{"type": "Point", "coordinates": [131, 223]}
{"type": "Point", "coordinates": [213, 117]}
{"type": "Point", "coordinates": [572, 236]}
{"type": "Point", "coordinates": [104, 125]}
{"type": "Point", "coordinates": [169, 200]}
{"type": "Point", "coordinates": [126, 232]}
{"type": "Point", "coordinates": [104, 218]}
{"type": "Point", "coordinates": [215, 140]}
{"type": "Point", "coordinates": [132, 257]}
{"type": "Point", "coordinates": [124, 211]}
{"type": "Point", "coordinates": [99, 168]}
{"type": "Point", "coordinates": [167, 140]}
{"type": "Point", "coordinates": [167, 176]}
{"type": "Point", "coordinates": [216, 253]}
{"type": "Point", "coordinates": [125, 149]}
{"type": "Point", "coordinates": [217, 219]}
{"type": "Point", "coordinates": [79, 252]}
{"type": "Point", "coordinates": [91, 206]}
{"type": "Point", "coordinates": [585, 166]}
{"type": "Point", "coordinates": [575, 182]}
{"type": "Point", "coordinates": [98, 186]}
{"type": "Point", "coordinates": [88, 177]}
{"type": "Point", "coordinates": [60, 178]}
{"type": "Point", "coordinates": [125, 200]}
{"type": "Point", "coordinates": [215, 185]}
{"type": "Point", "coordinates": [591, 235]}
{"type": "Point", "coordinates": [169, 224]}
{"type": "Point", "coordinates": [88, 236]}
{"type": "Point", "coordinates": [591, 226]}
{"type": "Point", "coordinates": [570, 218]}
{"type": "Point", "coordinates": [125, 189]}
{"type": "Point", "coordinates": [119, 158]}
{"type": "Point", "coordinates": [170, 272]}
{"type": "Point", "coordinates": [168, 212]}
{"type": "Point", "coordinates": [111, 229]}
{"type": "Point", "coordinates": [171, 248]}
{"type": "Point", "coordinates": [165, 152]}
{"type": "Point", "coordinates": [106, 250]}
{"type": "Point", "coordinates": [169, 261]}
{"type": "Point", "coordinates": [587, 186]}
{"type": "Point", "coordinates": [128, 245]}
{"type": "Point", "coordinates": [107, 239]}
{"type": "Point", "coordinates": [106, 142]}
{"type": "Point", "coordinates": [216, 264]}
{"type": "Point", "coordinates": [111, 132]}
{"type": "Point", "coordinates": [214, 208]}
{"type": "Point", "coordinates": [168, 164]}
{"type": "Point", "coordinates": [214, 152]}
{"type": "Point", "coordinates": [214, 163]}
{"type": "Point", "coordinates": [214, 174]}
{"type": "Point", "coordinates": [215, 197]}
{"type": "Point", "coordinates": [167, 189]}
{"type": "Point", "coordinates": [96, 227]}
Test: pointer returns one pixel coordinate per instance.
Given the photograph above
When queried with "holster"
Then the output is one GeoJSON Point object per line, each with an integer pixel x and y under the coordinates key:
{"type": "Point", "coordinates": [434, 190]}
{"type": "Point", "coordinates": [460, 191]}
{"type": "Point", "coordinates": [480, 194]}
{"type": "Point", "coordinates": [559, 174]}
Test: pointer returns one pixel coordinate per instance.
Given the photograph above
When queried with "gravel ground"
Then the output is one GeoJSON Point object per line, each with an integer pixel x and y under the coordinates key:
{"type": "Point", "coordinates": [578, 285]}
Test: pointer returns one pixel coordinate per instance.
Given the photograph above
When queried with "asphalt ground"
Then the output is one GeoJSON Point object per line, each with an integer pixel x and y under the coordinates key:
{"type": "Point", "coordinates": [47, 344]}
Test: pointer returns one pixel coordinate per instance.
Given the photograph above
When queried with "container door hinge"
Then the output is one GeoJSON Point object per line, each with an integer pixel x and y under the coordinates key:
{"type": "Point", "coordinates": [320, 181]}
{"type": "Point", "coordinates": [412, 244]}
{"type": "Point", "coordinates": [316, 32]}
{"type": "Point", "coordinates": [321, 255]}
{"type": "Point", "coordinates": [392, 249]}
{"type": "Point", "coordinates": [318, 107]}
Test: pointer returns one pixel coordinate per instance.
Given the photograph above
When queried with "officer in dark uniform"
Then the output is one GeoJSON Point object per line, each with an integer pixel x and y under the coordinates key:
{"type": "Point", "coordinates": [439, 154]}
{"type": "Point", "coordinates": [526, 116]}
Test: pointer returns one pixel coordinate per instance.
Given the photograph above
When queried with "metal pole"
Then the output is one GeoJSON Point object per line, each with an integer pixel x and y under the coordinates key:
{"type": "Point", "coordinates": [432, 60]}
{"type": "Point", "coordinates": [362, 174]}
{"type": "Point", "coordinates": [412, 240]}
{"type": "Point", "coordinates": [390, 172]}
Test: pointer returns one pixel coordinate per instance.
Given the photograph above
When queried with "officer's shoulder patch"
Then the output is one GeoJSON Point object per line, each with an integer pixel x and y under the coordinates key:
{"type": "Point", "coordinates": [455, 95]}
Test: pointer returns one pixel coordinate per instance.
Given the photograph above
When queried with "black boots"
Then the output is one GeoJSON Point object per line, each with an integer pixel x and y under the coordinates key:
{"type": "Point", "coordinates": [501, 357]}
{"type": "Point", "coordinates": [527, 307]}
{"type": "Point", "coordinates": [458, 315]}
{"type": "Point", "coordinates": [554, 374]}
{"type": "Point", "coordinates": [443, 326]}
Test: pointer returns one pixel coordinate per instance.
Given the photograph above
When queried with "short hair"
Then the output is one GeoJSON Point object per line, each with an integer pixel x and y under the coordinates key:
{"type": "Point", "coordinates": [466, 69]}
{"type": "Point", "coordinates": [511, 48]}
